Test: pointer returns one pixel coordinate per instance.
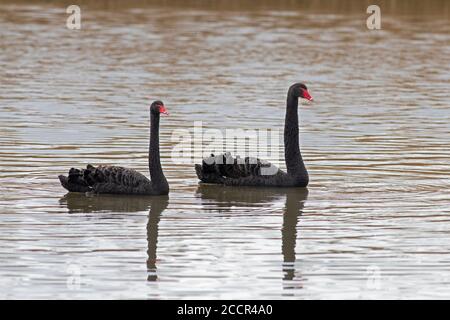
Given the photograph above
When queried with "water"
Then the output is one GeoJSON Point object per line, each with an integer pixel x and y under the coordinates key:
{"type": "Point", "coordinates": [374, 222]}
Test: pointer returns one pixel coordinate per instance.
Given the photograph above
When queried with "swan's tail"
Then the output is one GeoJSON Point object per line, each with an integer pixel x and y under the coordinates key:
{"type": "Point", "coordinates": [207, 177]}
{"type": "Point", "coordinates": [75, 181]}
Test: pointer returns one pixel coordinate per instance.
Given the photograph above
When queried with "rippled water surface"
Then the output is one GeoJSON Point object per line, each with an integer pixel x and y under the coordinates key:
{"type": "Point", "coordinates": [374, 222]}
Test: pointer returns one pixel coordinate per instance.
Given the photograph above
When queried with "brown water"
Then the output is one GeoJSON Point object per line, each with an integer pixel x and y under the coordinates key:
{"type": "Point", "coordinates": [374, 222]}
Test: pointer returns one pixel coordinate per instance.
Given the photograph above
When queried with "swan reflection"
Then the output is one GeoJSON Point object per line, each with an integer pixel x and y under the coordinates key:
{"type": "Point", "coordinates": [293, 209]}
{"type": "Point", "coordinates": [80, 203]}
{"type": "Point", "coordinates": [159, 204]}
{"type": "Point", "coordinates": [295, 198]}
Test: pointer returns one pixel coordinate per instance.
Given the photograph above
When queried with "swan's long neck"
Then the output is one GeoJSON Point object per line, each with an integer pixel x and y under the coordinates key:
{"type": "Point", "coordinates": [292, 154]}
{"type": "Point", "coordinates": [154, 163]}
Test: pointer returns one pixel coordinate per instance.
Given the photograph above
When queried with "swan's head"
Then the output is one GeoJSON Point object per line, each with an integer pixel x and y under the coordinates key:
{"type": "Point", "coordinates": [299, 90]}
{"type": "Point", "coordinates": [158, 107]}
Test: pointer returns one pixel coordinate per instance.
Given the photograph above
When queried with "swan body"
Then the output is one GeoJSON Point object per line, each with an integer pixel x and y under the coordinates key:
{"type": "Point", "coordinates": [226, 170]}
{"type": "Point", "coordinates": [235, 173]}
{"type": "Point", "coordinates": [105, 179]}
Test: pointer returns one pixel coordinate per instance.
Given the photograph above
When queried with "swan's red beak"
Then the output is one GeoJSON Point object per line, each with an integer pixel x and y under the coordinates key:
{"type": "Point", "coordinates": [162, 109]}
{"type": "Point", "coordinates": [306, 95]}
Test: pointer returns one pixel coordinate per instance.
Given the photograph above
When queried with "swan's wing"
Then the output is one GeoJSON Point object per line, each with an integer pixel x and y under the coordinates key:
{"type": "Point", "coordinates": [105, 179]}
{"type": "Point", "coordinates": [217, 169]}
{"type": "Point", "coordinates": [115, 175]}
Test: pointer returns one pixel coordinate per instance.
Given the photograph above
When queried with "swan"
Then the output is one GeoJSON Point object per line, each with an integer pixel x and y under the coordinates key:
{"type": "Point", "coordinates": [105, 179]}
{"type": "Point", "coordinates": [226, 170]}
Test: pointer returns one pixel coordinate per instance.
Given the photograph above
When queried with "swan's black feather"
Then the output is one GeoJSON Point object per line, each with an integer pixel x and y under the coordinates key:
{"type": "Point", "coordinates": [224, 169]}
{"type": "Point", "coordinates": [106, 179]}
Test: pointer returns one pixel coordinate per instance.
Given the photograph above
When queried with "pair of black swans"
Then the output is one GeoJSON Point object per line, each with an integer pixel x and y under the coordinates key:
{"type": "Point", "coordinates": [222, 169]}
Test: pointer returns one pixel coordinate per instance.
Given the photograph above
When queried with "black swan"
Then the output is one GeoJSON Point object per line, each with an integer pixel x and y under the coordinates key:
{"type": "Point", "coordinates": [120, 180]}
{"type": "Point", "coordinates": [226, 170]}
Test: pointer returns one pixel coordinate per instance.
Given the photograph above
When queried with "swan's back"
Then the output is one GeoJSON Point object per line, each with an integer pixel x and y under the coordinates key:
{"type": "Point", "coordinates": [106, 179]}
{"type": "Point", "coordinates": [224, 169]}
